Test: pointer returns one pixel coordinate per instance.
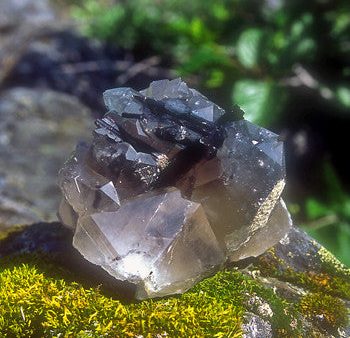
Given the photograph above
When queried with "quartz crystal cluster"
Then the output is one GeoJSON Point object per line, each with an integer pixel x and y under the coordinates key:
{"type": "Point", "coordinates": [171, 188]}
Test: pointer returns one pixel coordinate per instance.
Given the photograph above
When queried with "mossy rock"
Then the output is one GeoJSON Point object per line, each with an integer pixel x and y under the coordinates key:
{"type": "Point", "coordinates": [48, 290]}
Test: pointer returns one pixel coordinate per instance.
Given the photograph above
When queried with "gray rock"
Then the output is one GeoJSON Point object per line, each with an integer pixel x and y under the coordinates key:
{"type": "Point", "coordinates": [19, 12]}
{"type": "Point", "coordinates": [255, 327]}
{"type": "Point", "coordinates": [21, 22]}
{"type": "Point", "coordinates": [38, 130]}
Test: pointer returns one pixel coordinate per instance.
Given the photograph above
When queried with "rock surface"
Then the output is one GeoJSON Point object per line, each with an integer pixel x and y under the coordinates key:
{"type": "Point", "coordinates": [167, 192]}
{"type": "Point", "coordinates": [38, 128]}
{"type": "Point", "coordinates": [21, 12]}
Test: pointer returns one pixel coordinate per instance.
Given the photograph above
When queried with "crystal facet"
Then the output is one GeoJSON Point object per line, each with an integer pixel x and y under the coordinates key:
{"type": "Point", "coordinates": [168, 192]}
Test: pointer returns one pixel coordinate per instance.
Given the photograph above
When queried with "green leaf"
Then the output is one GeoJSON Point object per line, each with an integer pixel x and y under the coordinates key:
{"type": "Point", "coordinates": [251, 97]}
{"type": "Point", "coordinates": [203, 58]}
{"type": "Point", "coordinates": [346, 208]}
{"type": "Point", "coordinates": [216, 79]}
{"type": "Point", "coordinates": [220, 12]}
{"type": "Point", "coordinates": [198, 30]}
{"type": "Point", "coordinates": [248, 47]}
{"type": "Point", "coordinates": [343, 96]}
{"type": "Point", "coordinates": [335, 192]}
{"type": "Point", "coordinates": [305, 47]}
{"type": "Point", "coordinates": [299, 27]}
{"type": "Point", "coordinates": [260, 100]}
{"type": "Point", "coordinates": [315, 209]}
{"type": "Point", "coordinates": [342, 22]}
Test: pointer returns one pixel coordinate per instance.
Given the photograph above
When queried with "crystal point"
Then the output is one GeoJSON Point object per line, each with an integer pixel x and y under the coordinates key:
{"type": "Point", "coordinates": [167, 192]}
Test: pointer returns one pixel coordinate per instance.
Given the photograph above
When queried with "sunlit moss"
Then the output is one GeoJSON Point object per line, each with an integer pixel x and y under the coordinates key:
{"type": "Point", "coordinates": [34, 304]}
{"type": "Point", "coordinates": [34, 301]}
{"type": "Point", "coordinates": [333, 280]}
{"type": "Point", "coordinates": [41, 299]}
{"type": "Point", "coordinates": [329, 312]}
{"type": "Point", "coordinates": [332, 263]}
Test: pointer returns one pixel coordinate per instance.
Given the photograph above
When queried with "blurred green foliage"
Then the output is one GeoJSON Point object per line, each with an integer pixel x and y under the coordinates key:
{"type": "Point", "coordinates": [254, 53]}
{"type": "Point", "coordinates": [329, 219]}
{"type": "Point", "coordinates": [249, 46]}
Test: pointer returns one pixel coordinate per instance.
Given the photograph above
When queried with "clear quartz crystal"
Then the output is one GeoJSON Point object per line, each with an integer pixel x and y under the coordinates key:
{"type": "Point", "coordinates": [240, 187]}
{"type": "Point", "coordinates": [165, 194]}
{"type": "Point", "coordinates": [171, 89]}
{"type": "Point", "coordinates": [146, 246]}
{"type": "Point", "coordinates": [122, 99]}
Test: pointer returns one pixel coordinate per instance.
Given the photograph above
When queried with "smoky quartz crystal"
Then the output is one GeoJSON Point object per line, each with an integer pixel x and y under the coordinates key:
{"type": "Point", "coordinates": [171, 188]}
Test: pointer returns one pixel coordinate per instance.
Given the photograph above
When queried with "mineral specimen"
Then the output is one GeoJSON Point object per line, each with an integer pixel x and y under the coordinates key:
{"type": "Point", "coordinates": [171, 188]}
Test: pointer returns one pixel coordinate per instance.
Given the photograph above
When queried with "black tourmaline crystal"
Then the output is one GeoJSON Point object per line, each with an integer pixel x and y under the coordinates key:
{"type": "Point", "coordinates": [171, 188]}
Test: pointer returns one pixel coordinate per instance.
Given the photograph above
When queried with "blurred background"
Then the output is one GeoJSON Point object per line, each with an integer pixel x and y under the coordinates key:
{"type": "Point", "coordinates": [285, 63]}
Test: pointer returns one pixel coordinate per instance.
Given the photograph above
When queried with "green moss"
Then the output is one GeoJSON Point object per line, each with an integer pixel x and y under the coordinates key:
{"type": "Point", "coordinates": [40, 299]}
{"type": "Point", "coordinates": [332, 264]}
{"type": "Point", "coordinates": [325, 311]}
{"type": "Point", "coordinates": [33, 303]}
{"type": "Point", "coordinates": [324, 284]}
{"type": "Point", "coordinates": [6, 230]}
{"type": "Point", "coordinates": [284, 318]}
{"type": "Point", "coordinates": [334, 279]}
